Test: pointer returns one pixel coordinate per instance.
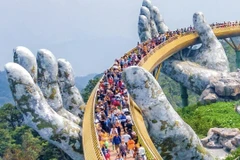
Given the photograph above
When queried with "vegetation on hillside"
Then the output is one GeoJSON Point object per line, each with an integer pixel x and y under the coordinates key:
{"type": "Point", "coordinates": [220, 115]}
{"type": "Point", "coordinates": [19, 142]}
{"type": "Point", "coordinates": [235, 155]}
{"type": "Point", "coordinates": [202, 118]}
{"type": "Point", "coordinates": [88, 89]}
{"type": "Point", "coordinates": [231, 55]}
{"type": "Point", "coordinates": [172, 91]}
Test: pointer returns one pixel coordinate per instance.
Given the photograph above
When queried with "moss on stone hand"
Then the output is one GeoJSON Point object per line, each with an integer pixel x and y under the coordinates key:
{"type": "Point", "coordinates": [24, 98]}
{"type": "Point", "coordinates": [33, 69]}
{"type": "Point", "coordinates": [70, 91]}
{"type": "Point", "coordinates": [73, 142]}
{"type": "Point", "coordinates": [44, 124]}
{"type": "Point", "coordinates": [154, 121]}
{"type": "Point", "coordinates": [70, 107]}
{"type": "Point", "coordinates": [167, 146]}
{"type": "Point", "coordinates": [201, 149]}
{"type": "Point", "coordinates": [52, 96]}
{"type": "Point", "coordinates": [146, 84]}
{"type": "Point", "coordinates": [73, 101]}
{"type": "Point", "coordinates": [134, 96]}
{"type": "Point", "coordinates": [153, 93]}
{"type": "Point", "coordinates": [66, 74]}
{"type": "Point", "coordinates": [176, 123]}
{"type": "Point", "coordinates": [164, 125]}
{"type": "Point", "coordinates": [189, 145]}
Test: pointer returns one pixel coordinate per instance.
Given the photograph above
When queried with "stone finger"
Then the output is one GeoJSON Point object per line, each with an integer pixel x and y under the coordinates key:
{"type": "Point", "coordinates": [173, 138]}
{"type": "Point", "coordinates": [159, 21]}
{"type": "Point", "coordinates": [24, 57]}
{"type": "Point", "coordinates": [72, 99]}
{"type": "Point", "coordinates": [191, 75]}
{"type": "Point", "coordinates": [144, 30]}
{"type": "Point", "coordinates": [211, 54]}
{"type": "Point", "coordinates": [48, 83]}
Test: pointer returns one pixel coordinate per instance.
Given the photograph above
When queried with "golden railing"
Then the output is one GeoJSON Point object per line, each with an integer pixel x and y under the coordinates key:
{"type": "Point", "coordinates": [92, 150]}
{"type": "Point", "coordinates": [91, 146]}
{"type": "Point", "coordinates": [177, 43]}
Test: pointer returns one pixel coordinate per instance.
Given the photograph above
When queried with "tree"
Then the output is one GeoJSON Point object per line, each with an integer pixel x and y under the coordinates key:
{"type": "Point", "coordinates": [10, 116]}
{"type": "Point", "coordinates": [88, 89]}
{"type": "Point", "coordinates": [19, 142]}
{"type": "Point", "coordinates": [28, 150]}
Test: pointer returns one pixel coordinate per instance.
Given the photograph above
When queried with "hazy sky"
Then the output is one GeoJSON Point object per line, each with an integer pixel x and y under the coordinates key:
{"type": "Point", "coordinates": [92, 33]}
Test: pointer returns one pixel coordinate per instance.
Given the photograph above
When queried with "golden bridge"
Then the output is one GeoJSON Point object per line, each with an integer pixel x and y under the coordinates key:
{"type": "Point", "coordinates": [151, 61]}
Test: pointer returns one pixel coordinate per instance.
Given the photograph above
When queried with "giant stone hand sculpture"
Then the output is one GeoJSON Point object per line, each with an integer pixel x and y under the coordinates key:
{"type": "Point", "coordinates": [150, 22]}
{"type": "Point", "coordinates": [72, 98]}
{"type": "Point", "coordinates": [206, 72]}
{"type": "Point", "coordinates": [202, 69]}
{"type": "Point", "coordinates": [42, 104]}
{"type": "Point", "coordinates": [173, 138]}
{"type": "Point", "coordinates": [211, 54]}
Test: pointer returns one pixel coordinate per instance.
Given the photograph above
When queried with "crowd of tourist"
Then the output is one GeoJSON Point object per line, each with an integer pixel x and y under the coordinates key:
{"type": "Point", "coordinates": [225, 24]}
{"type": "Point", "coordinates": [113, 121]}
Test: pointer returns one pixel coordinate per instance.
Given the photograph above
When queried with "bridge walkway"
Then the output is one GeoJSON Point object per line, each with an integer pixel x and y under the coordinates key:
{"type": "Point", "coordinates": [163, 51]}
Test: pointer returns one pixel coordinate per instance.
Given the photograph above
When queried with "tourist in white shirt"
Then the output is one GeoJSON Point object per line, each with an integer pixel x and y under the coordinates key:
{"type": "Point", "coordinates": [126, 137]}
{"type": "Point", "coordinates": [142, 152]}
{"type": "Point", "coordinates": [129, 118]}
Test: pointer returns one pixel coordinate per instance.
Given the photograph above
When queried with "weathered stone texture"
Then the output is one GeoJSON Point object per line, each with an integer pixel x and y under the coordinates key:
{"type": "Point", "coordinates": [227, 138]}
{"type": "Point", "coordinates": [25, 58]}
{"type": "Point", "coordinates": [48, 83]}
{"type": "Point", "coordinates": [144, 30]}
{"type": "Point", "coordinates": [189, 74]}
{"type": "Point", "coordinates": [72, 99]}
{"type": "Point", "coordinates": [212, 85]}
{"type": "Point", "coordinates": [173, 138]}
{"type": "Point", "coordinates": [158, 18]}
{"type": "Point", "coordinates": [153, 24]}
{"type": "Point", "coordinates": [40, 116]}
{"type": "Point", "coordinates": [211, 54]}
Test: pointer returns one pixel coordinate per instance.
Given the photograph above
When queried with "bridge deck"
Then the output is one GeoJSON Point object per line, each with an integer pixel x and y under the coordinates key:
{"type": "Point", "coordinates": [157, 56]}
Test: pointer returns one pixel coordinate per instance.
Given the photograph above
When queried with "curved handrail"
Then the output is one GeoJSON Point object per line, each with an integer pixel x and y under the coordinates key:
{"type": "Point", "coordinates": [169, 48]}
{"type": "Point", "coordinates": [90, 133]}
{"type": "Point", "coordinates": [149, 62]}
{"type": "Point", "coordinates": [92, 150]}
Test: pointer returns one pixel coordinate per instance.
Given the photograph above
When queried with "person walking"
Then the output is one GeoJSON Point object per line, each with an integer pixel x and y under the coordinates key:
{"type": "Point", "coordinates": [117, 141]}
{"type": "Point", "coordinates": [142, 153]}
{"type": "Point", "coordinates": [131, 146]}
{"type": "Point", "coordinates": [123, 150]}
{"type": "Point", "coordinates": [126, 137]}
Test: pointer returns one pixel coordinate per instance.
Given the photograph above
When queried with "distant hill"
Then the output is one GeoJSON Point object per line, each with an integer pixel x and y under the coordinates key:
{"type": "Point", "coordinates": [6, 95]}
{"type": "Point", "coordinates": [82, 81]}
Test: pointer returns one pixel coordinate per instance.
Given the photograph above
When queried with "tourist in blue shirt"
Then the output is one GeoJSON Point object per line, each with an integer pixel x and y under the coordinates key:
{"type": "Point", "coordinates": [117, 141]}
